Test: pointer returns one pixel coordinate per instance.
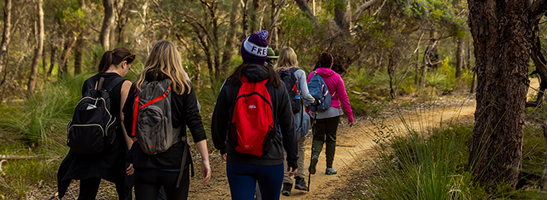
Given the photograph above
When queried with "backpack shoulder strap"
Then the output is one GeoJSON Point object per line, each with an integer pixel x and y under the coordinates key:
{"type": "Point", "coordinates": [113, 83]}
{"type": "Point", "coordinates": [293, 69]}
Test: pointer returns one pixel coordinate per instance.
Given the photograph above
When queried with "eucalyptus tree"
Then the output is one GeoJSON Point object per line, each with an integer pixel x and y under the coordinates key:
{"type": "Point", "coordinates": [38, 49]}
{"type": "Point", "coordinates": [503, 40]}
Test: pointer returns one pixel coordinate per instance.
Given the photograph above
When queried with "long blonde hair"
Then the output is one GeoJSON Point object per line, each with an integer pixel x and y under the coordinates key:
{"type": "Point", "coordinates": [287, 58]}
{"type": "Point", "coordinates": [165, 57]}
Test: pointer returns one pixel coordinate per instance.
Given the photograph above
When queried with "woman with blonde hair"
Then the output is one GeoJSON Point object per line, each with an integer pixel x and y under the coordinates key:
{"type": "Point", "coordinates": [162, 169]}
{"type": "Point", "coordinates": [287, 61]}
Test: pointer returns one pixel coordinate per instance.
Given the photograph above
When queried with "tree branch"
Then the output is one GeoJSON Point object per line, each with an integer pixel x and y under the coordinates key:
{"type": "Point", "coordinates": [362, 8]}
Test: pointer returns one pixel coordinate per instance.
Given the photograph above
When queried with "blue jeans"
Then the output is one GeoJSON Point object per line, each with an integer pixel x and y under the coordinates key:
{"type": "Point", "coordinates": [243, 179]}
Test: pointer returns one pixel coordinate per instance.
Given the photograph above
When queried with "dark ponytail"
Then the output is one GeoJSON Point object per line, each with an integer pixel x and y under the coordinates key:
{"type": "Point", "coordinates": [325, 60]}
{"type": "Point", "coordinates": [115, 57]}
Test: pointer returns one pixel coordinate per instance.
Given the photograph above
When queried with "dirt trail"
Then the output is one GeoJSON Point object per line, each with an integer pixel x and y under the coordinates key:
{"type": "Point", "coordinates": [353, 145]}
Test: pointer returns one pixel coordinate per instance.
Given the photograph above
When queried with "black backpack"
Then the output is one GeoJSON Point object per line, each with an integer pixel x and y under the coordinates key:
{"type": "Point", "coordinates": [293, 87]}
{"type": "Point", "coordinates": [92, 128]}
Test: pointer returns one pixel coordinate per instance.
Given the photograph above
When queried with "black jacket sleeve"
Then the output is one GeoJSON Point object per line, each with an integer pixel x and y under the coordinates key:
{"type": "Point", "coordinates": [285, 121]}
{"type": "Point", "coordinates": [191, 116]}
{"type": "Point", "coordinates": [220, 120]}
{"type": "Point", "coordinates": [128, 111]}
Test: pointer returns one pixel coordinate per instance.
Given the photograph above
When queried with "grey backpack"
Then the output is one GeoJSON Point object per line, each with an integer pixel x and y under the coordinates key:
{"type": "Point", "coordinates": [153, 124]}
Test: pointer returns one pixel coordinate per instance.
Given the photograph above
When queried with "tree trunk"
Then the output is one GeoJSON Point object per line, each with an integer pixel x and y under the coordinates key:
{"type": "Point", "coordinates": [230, 39]}
{"type": "Point", "coordinates": [502, 39]}
{"type": "Point", "coordinates": [6, 33]}
{"type": "Point", "coordinates": [340, 14]}
{"type": "Point", "coordinates": [391, 70]}
{"type": "Point", "coordinates": [460, 54]}
{"type": "Point", "coordinates": [108, 24]}
{"type": "Point", "coordinates": [38, 50]}
{"type": "Point", "coordinates": [79, 46]}
{"type": "Point", "coordinates": [303, 5]}
{"type": "Point", "coordinates": [78, 53]}
{"type": "Point", "coordinates": [67, 48]}
{"type": "Point", "coordinates": [44, 57]}
{"type": "Point", "coordinates": [52, 59]}
{"type": "Point", "coordinates": [244, 20]}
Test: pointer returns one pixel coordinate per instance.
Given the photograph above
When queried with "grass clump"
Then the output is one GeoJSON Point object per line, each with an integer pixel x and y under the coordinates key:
{"type": "Point", "coordinates": [420, 164]}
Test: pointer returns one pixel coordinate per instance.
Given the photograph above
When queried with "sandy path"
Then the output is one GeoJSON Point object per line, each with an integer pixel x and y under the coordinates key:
{"type": "Point", "coordinates": [353, 144]}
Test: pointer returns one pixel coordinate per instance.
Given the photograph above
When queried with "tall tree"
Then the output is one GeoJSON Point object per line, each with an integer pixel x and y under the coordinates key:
{"type": "Point", "coordinates": [460, 54]}
{"type": "Point", "coordinates": [39, 48]}
{"type": "Point", "coordinates": [80, 43]}
{"type": "Point", "coordinates": [502, 38]}
{"type": "Point", "coordinates": [108, 24]}
{"type": "Point", "coordinates": [230, 39]}
{"type": "Point", "coordinates": [6, 33]}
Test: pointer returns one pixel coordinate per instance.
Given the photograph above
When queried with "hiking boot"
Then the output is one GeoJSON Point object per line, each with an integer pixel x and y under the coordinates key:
{"type": "Point", "coordinates": [314, 160]}
{"type": "Point", "coordinates": [286, 189]}
{"type": "Point", "coordinates": [330, 171]}
{"type": "Point", "coordinates": [300, 184]}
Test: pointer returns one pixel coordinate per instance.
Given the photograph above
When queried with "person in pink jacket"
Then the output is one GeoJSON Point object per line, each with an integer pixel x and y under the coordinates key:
{"type": "Point", "coordinates": [327, 121]}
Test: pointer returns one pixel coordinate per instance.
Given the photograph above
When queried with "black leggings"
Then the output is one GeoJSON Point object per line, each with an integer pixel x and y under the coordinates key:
{"type": "Point", "coordinates": [149, 181]}
{"type": "Point", "coordinates": [89, 188]}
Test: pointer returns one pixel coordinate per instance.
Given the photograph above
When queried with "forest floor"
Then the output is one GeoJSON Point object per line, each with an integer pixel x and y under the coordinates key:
{"type": "Point", "coordinates": [354, 147]}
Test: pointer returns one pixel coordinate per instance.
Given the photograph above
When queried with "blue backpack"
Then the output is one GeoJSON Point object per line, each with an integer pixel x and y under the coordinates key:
{"type": "Point", "coordinates": [319, 90]}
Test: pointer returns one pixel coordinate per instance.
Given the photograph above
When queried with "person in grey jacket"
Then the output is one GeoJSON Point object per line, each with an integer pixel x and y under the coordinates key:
{"type": "Point", "coordinates": [288, 61]}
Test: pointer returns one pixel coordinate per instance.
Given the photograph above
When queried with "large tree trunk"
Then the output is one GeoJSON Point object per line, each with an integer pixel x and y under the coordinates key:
{"type": "Point", "coordinates": [502, 38]}
{"type": "Point", "coordinates": [108, 24]}
{"type": "Point", "coordinates": [6, 33]}
{"type": "Point", "coordinates": [230, 39]}
{"type": "Point", "coordinates": [38, 50]}
{"type": "Point", "coordinates": [459, 58]}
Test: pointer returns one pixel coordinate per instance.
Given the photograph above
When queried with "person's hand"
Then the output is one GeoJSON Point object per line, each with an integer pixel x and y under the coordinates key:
{"type": "Point", "coordinates": [206, 169]}
{"type": "Point", "coordinates": [350, 124]}
{"type": "Point", "coordinates": [292, 172]}
{"type": "Point", "coordinates": [130, 170]}
{"type": "Point", "coordinates": [317, 101]}
{"type": "Point", "coordinates": [224, 156]}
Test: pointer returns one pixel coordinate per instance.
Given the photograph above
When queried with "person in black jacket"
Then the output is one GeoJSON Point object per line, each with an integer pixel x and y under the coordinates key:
{"type": "Point", "coordinates": [162, 169]}
{"type": "Point", "coordinates": [245, 170]}
{"type": "Point", "coordinates": [109, 164]}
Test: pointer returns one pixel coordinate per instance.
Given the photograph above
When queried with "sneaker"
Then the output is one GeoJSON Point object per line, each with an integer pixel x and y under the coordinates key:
{"type": "Point", "coordinates": [286, 189]}
{"type": "Point", "coordinates": [330, 171]}
{"type": "Point", "coordinates": [314, 160]}
{"type": "Point", "coordinates": [300, 184]}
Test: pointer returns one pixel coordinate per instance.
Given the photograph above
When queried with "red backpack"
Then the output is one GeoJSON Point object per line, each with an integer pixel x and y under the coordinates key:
{"type": "Point", "coordinates": [252, 123]}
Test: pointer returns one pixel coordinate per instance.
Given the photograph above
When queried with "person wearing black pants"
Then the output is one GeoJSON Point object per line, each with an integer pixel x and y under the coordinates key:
{"type": "Point", "coordinates": [325, 131]}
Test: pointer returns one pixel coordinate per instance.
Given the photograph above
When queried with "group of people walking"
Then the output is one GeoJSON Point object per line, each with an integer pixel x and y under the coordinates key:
{"type": "Point", "coordinates": [254, 125]}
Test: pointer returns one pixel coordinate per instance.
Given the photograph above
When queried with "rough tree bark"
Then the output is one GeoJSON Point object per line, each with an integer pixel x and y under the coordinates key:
{"type": "Point", "coordinates": [38, 50]}
{"type": "Point", "coordinates": [108, 24]}
{"type": "Point", "coordinates": [6, 33]}
{"type": "Point", "coordinates": [502, 38]}
{"type": "Point", "coordinates": [460, 54]}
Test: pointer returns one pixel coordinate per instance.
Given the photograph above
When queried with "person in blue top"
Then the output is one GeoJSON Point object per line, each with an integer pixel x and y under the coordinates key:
{"type": "Point", "coordinates": [288, 61]}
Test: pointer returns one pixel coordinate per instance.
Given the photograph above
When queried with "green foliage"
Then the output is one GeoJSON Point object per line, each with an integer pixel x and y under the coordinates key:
{"type": "Point", "coordinates": [440, 12]}
{"type": "Point", "coordinates": [45, 114]}
{"type": "Point", "coordinates": [421, 164]}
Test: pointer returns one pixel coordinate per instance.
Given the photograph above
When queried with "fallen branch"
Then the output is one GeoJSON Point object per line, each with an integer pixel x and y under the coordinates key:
{"type": "Point", "coordinates": [12, 157]}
